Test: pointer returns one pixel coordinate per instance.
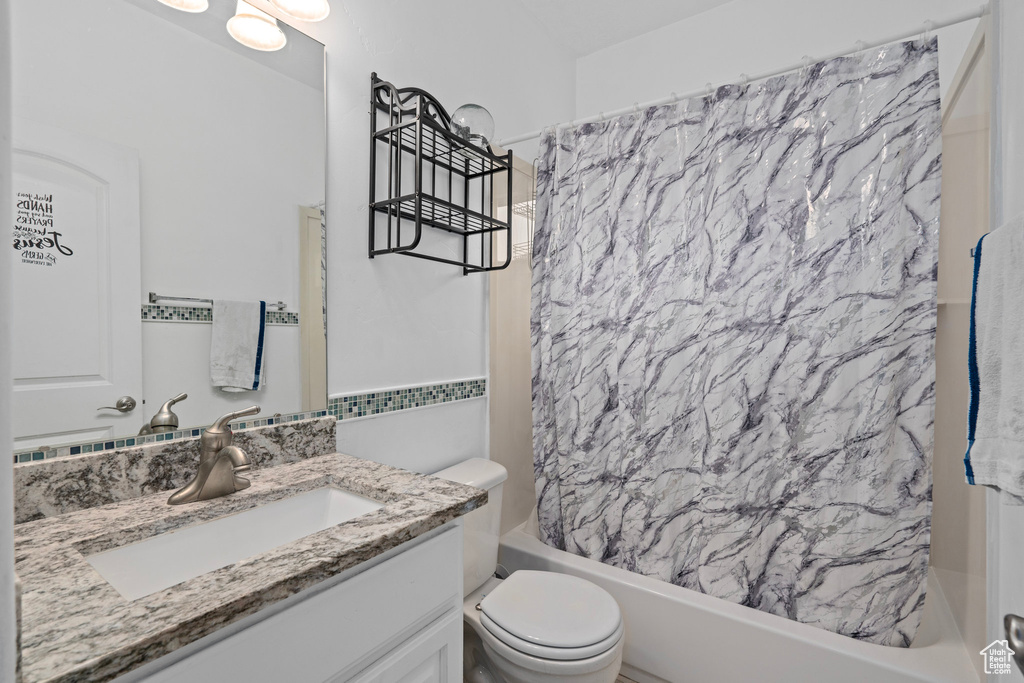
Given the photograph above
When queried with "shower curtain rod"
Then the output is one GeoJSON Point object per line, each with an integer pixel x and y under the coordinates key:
{"type": "Point", "coordinates": [926, 28]}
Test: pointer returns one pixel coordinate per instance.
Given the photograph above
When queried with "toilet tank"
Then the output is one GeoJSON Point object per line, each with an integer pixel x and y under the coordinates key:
{"type": "Point", "coordinates": [481, 527]}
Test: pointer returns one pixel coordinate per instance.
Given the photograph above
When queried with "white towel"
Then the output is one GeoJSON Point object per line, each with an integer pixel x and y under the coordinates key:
{"type": "Point", "coordinates": [995, 429]}
{"type": "Point", "coordinates": [236, 350]}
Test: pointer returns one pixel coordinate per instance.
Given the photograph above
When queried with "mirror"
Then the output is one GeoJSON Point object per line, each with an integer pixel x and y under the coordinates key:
{"type": "Point", "coordinates": [153, 154]}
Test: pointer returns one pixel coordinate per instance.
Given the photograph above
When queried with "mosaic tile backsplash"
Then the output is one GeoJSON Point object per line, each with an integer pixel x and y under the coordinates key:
{"type": "Point", "coordinates": [204, 314]}
{"type": "Point", "coordinates": [32, 455]}
{"type": "Point", "coordinates": [373, 403]}
{"type": "Point", "coordinates": [340, 407]}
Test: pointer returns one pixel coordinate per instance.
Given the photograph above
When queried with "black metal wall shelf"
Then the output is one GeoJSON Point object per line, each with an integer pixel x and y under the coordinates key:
{"type": "Point", "coordinates": [423, 174]}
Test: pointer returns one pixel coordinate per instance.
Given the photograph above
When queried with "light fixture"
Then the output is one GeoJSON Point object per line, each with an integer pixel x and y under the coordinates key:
{"type": "Point", "coordinates": [473, 123]}
{"type": "Point", "coordinates": [255, 28]}
{"type": "Point", "coordinates": [304, 10]}
{"type": "Point", "coordinates": [188, 5]}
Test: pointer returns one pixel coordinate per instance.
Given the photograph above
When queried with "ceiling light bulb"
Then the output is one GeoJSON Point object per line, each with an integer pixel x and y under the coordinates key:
{"type": "Point", "coordinates": [255, 28]}
{"type": "Point", "coordinates": [188, 5]}
{"type": "Point", "coordinates": [304, 10]}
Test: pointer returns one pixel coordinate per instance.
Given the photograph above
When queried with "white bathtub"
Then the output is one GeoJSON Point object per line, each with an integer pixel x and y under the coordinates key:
{"type": "Point", "coordinates": [678, 635]}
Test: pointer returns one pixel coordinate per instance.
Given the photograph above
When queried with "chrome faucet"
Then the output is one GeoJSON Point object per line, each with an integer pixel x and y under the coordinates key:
{"type": "Point", "coordinates": [219, 463]}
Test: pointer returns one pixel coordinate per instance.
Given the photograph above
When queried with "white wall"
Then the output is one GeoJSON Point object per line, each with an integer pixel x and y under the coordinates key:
{"type": "Point", "coordinates": [419, 439]}
{"type": "Point", "coordinates": [396, 321]}
{"type": "Point", "coordinates": [752, 36]}
{"type": "Point", "coordinates": [211, 127]}
{"type": "Point", "coordinates": [7, 625]}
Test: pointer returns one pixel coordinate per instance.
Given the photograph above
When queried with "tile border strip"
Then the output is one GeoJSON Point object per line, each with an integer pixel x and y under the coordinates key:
{"type": "Point", "coordinates": [350, 406]}
{"type": "Point", "coordinates": [82, 448]}
{"type": "Point", "coordinates": [204, 314]}
{"type": "Point", "coordinates": [344, 407]}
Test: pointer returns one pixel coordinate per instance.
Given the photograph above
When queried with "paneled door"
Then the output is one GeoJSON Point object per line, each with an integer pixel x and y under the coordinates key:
{"type": "Point", "coordinates": [75, 264]}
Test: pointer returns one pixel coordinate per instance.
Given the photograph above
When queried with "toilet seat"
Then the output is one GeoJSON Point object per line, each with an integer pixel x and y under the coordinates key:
{"type": "Point", "coordinates": [552, 616]}
{"type": "Point", "coordinates": [561, 654]}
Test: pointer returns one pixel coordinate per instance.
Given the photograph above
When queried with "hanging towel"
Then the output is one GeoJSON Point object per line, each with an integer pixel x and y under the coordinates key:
{"type": "Point", "coordinates": [995, 423]}
{"type": "Point", "coordinates": [236, 350]}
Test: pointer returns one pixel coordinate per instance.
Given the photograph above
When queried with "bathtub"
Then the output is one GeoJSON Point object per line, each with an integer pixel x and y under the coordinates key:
{"type": "Point", "coordinates": [682, 636]}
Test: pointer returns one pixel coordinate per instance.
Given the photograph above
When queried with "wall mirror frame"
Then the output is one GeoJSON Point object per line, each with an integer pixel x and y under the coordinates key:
{"type": "Point", "coordinates": [154, 154]}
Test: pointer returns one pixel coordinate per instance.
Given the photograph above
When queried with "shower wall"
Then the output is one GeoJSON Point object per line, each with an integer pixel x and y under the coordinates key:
{"type": "Point", "coordinates": [511, 422]}
{"type": "Point", "coordinates": [958, 510]}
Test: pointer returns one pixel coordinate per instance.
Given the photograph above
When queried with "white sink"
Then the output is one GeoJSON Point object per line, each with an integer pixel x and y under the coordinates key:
{"type": "Point", "coordinates": [162, 561]}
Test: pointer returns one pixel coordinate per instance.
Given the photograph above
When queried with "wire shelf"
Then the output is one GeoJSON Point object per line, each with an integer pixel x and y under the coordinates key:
{"type": "Point", "coordinates": [440, 214]}
{"type": "Point", "coordinates": [424, 175]}
{"type": "Point", "coordinates": [445, 149]}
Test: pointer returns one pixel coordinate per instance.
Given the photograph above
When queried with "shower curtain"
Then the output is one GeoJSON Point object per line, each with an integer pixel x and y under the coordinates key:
{"type": "Point", "coordinates": [732, 335]}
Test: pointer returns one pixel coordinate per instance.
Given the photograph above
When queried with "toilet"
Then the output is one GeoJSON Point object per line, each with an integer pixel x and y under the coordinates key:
{"type": "Point", "coordinates": [534, 626]}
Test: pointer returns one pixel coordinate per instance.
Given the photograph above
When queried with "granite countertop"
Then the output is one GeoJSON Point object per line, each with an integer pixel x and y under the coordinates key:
{"type": "Point", "coordinates": [75, 626]}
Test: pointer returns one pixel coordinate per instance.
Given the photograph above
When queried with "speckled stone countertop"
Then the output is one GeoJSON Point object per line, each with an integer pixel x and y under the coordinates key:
{"type": "Point", "coordinates": [76, 627]}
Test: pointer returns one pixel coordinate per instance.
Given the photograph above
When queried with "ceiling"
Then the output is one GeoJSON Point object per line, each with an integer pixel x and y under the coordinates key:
{"type": "Point", "coordinates": [587, 26]}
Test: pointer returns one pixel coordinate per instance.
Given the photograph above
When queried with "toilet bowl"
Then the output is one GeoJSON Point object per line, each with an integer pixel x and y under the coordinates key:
{"type": "Point", "coordinates": [534, 640]}
{"type": "Point", "coordinates": [533, 627]}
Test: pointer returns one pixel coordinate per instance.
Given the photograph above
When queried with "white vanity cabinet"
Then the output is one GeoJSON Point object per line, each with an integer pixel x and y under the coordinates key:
{"type": "Point", "coordinates": [394, 619]}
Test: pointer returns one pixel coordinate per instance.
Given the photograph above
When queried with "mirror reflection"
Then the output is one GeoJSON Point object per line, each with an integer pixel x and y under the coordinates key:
{"type": "Point", "coordinates": [167, 168]}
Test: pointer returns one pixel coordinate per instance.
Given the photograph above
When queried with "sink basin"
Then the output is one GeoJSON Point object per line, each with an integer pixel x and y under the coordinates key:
{"type": "Point", "coordinates": [162, 561]}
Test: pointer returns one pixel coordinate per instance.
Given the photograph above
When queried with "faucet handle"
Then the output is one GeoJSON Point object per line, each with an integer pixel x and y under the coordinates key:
{"type": "Point", "coordinates": [165, 419]}
{"type": "Point", "coordinates": [222, 423]}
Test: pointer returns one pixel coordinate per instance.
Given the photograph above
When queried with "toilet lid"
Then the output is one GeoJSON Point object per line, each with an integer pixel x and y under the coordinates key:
{"type": "Point", "coordinates": [552, 610]}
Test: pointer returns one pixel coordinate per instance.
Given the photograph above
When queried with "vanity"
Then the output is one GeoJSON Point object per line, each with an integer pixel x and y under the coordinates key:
{"type": "Point", "coordinates": [375, 597]}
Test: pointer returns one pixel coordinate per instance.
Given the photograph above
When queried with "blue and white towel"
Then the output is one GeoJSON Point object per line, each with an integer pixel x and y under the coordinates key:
{"type": "Point", "coordinates": [236, 350]}
{"type": "Point", "coordinates": [995, 427]}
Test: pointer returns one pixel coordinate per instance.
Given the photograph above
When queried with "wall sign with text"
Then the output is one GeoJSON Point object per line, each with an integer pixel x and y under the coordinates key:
{"type": "Point", "coordinates": [34, 235]}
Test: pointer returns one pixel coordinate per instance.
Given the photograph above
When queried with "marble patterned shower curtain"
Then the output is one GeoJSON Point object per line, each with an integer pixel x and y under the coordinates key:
{"type": "Point", "coordinates": [733, 327]}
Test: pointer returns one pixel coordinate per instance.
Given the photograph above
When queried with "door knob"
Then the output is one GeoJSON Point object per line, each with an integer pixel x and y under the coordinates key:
{"type": "Point", "coordinates": [1014, 626]}
{"type": "Point", "coordinates": [125, 404]}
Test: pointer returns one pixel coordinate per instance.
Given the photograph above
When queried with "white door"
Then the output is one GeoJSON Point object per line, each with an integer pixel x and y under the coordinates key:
{"type": "Point", "coordinates": [76, 283]}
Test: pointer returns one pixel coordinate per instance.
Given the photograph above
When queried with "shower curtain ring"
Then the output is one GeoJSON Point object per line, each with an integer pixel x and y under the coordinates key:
{"type": "Point", "coordinates": [929, 26]}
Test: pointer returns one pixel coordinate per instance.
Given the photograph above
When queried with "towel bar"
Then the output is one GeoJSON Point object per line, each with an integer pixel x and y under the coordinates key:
{"type": "Point", "coordinates": [154, 297]}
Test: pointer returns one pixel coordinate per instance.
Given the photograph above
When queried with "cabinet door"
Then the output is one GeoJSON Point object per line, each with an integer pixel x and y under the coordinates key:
{"type": "Point", "coordinates": [432, 656]}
